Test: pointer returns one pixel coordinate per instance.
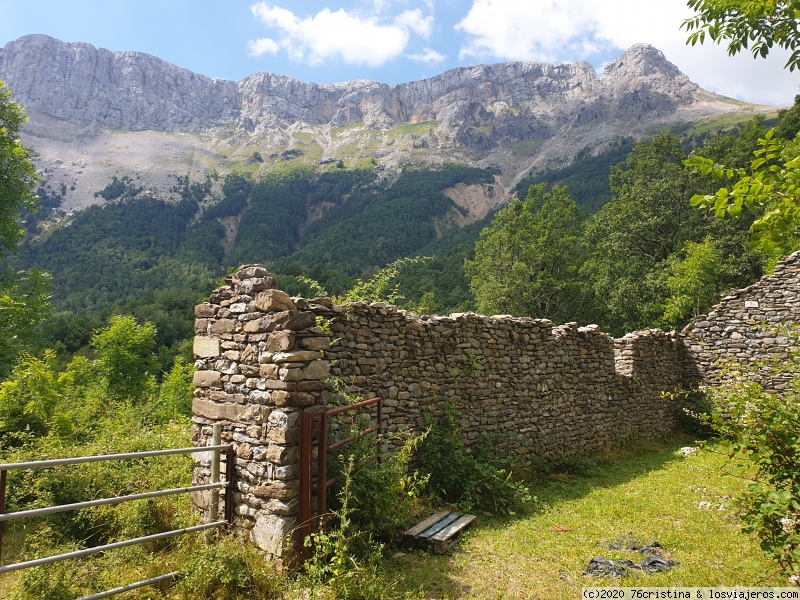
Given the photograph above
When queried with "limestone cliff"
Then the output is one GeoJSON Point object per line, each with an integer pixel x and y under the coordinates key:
{"type": "Point", "coordinates": [133, 91]}
{"type": "Point", "coordinates": [515, 115]}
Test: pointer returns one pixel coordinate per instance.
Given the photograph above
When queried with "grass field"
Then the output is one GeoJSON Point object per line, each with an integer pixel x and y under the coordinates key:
{"type": "Point", "coordinates": [649, 491]}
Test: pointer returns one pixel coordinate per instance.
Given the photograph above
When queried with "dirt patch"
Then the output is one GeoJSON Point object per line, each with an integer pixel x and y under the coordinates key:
{"type": "Point", "coordinates": [477, 199]}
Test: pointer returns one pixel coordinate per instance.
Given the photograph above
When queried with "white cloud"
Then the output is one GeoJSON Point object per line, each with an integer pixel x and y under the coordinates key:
{"type": "Point", "coordinates": [261, 46]}
{"type": "Point", "coordinates": [355, 39]}
{"type": "Point", "coordinates": [427, 56]}
{"type": "Point", "coordinates": [571, 30]}
{"type": "Point", "coordinates": [413, 20]}
{"type": "Point", "coordinates": [542, 30]}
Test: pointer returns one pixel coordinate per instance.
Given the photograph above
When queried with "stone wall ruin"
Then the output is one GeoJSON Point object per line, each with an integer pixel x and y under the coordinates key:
{"type": "Point", "coordinates": [536, 389]}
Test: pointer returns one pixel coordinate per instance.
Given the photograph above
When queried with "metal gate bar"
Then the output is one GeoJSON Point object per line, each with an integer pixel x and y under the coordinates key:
{"type": "Point", "coordinates": [131, 586]}
{"type": "Point", "coordinates": [312, 423]}
{"type": "Point", "coordinates": [215, 485]}
{"type": "Point", "coordinates": [88, 551]}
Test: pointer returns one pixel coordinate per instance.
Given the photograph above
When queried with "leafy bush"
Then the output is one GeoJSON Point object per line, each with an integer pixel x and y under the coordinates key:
{"type": "Point", "coordinates": [345, 559]}
{"type": "Point", "coordinates": [476, 480]}
{"type": "Point", "coordinates": [382, 495]}
{"type": "Point", "coordinates": [226, 570]}
{"type": "Point", "coordinates": [761, 431]}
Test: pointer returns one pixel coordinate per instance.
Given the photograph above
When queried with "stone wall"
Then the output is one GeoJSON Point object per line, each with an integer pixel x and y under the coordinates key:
{"type": "Point", "coordinates": [538, 390]}
{"type": "Point", "coordinates": [745, 327]}
{"type": "Point", "coordinates": [263, 358]}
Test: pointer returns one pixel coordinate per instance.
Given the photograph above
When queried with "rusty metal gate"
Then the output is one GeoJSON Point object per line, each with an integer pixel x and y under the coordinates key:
{"type": "Point", "coordinates": [314, 431]}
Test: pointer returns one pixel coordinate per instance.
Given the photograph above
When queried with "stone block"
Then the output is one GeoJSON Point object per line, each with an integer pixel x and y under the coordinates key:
{"type": "Point", "coordinates": [207, 379]}
{"type": "Point", "coordinates": [205, 347]}
{"type": "Point", "coordinates": [238, 413]}
{"type": "Point", "coordinates": [282, 455]}
{"type": "Point", "coordinates": [273, 301]}
{"type": "Point", "coordinates": [315, 343]}
{"type": "Point", "coordinates": [281, 341]}
{"type": "Point", "coordinates": [279, 507]}
{"type": "Point", "coordinates": [201, 326]}
{"type": "Point", "coordinates": [268, 371]}
{"type": "Point", "coordinates": [319, 369]}
{"type": "Point", "coordinates": [270, 533]}
{"type": "Point", "coordinates": [201, 499]}
{"type": "Point", "coordinates": [282, 490]}
{"type": "Point", "coordinates": [223, 326]}
{"type": "Point", "coordinates": [283, 398]}
{"type": "Point", "coordinates": [251, 271]}
{"type": "Point", "coordinates": [249, 354]}
{"type": "Point", "coordinates": [257, 325]}
{"type": "Point", "coordinates": [285, 374]}
{"type": "Point", "coordinates": [293, 320]}
{"type": "Point", "coordinates": [297, 356]}
{"type": "Point", "coordinates": [283, 436]}
{"type": "Point", "coordinates": [204, 310]}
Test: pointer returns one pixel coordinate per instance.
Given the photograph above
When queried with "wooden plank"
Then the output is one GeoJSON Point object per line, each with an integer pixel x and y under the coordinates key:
{"type": "Point", "coordinates": [420, 527]}
{"type": "Point", "coordinates": [438, 526]}
{"type": "Point", "coordinates": [442, 540]}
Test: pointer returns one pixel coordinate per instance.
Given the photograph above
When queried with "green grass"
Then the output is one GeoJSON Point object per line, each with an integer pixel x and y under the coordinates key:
{"type": "Point", "coordinates": [421, 128]}
{"type": "Point", "coordinates": [526, 148]}
{"type": "Point", "coordinates": [648, 491]}
{"type": "Point", "coordinates": [722, 123]}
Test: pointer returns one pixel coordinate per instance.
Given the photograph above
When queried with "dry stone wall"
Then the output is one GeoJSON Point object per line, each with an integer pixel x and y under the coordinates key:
{"type": "Point", "coordinates": [537, 390]}
{"type": "Point", "coordinates": [746, 328]}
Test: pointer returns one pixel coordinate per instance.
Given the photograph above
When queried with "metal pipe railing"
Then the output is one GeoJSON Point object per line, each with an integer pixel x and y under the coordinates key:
{"type": "Point", "coordinates": [88, 551]}
{"type": "Point", "coordinates": [39, 512]}
{"type": "Point", "coordinates": [46, 464]}
{"type": "Point", "coordinates": [132, 586]}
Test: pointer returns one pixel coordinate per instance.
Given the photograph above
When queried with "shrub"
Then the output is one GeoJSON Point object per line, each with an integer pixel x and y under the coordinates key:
{"type": "Point", "coordinates": [761, 432]}
{"type": "Point", "coordinates": [381, 494]}
{"type": "Point", "coordinates": [473, 480]}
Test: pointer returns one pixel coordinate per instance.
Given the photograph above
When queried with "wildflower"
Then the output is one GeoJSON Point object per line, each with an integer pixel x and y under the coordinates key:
{"type": "Point", "coordinates": [704, 505]}
{"type": "Point", "coordinates": [787, 524]}
{"type": "Point", "coordinates": [688, 450]}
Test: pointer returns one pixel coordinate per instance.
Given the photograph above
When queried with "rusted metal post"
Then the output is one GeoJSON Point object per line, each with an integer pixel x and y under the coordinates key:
{"type": "Point", "coordinates": [305, 483]}
{"type": "Point", "coordinates": [230, 469]}
{"type": "Point", "coordinates": [3, 478]}
{"type": "Point", "coordinates": [322, 470]}
{"type": "Point", "coordinates": [216, 440]}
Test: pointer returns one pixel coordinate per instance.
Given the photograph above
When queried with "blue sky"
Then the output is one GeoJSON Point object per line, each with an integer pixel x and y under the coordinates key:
{"type": "Point", "coordinates": [393, 40]}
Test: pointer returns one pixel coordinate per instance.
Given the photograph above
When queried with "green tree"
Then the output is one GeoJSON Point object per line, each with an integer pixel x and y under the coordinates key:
{"type": "Point", "coordinates": [29, 397]}
{"type": "Point", "coordinates": [527, 262]}
{"type": "Point", "coordinates": [23, 296]}
{"type": "Point", "coordinates": [633, 236]}
{"type": "Point", "coordinates": [125, 355]}
{"type": "Point", "coordinates": [757, 25]}
{"type": "Point", "coordinates": [769, 189]}
{"type": "Point", "coordinates": [17, 174]}
{"type": "Point", "coordinates": [693, 282]}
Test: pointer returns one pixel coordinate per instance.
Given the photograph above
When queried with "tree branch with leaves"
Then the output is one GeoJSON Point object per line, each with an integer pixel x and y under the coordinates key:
{"type": "Point", "coordinates": [755, 25]}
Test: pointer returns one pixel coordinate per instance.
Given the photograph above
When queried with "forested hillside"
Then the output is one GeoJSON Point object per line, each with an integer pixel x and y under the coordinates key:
{"type": "Point", "coordinates": [621, 264]}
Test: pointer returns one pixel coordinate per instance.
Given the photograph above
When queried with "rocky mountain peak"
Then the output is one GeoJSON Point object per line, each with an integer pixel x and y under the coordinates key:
{"type": "Point", "coordinates": [516, 115]}
{"type": "Point", "coordinates": [642, 60]}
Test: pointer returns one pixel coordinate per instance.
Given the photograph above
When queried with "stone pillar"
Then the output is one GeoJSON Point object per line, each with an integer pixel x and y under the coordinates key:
{"type": "Point", "coordinates": [259, 362]}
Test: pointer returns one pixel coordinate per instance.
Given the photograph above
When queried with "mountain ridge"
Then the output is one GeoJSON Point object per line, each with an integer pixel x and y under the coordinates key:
{"type": "Point", "coordinates": [135, 91]}
{"type": "Point", "coordinates": [95, 113]}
